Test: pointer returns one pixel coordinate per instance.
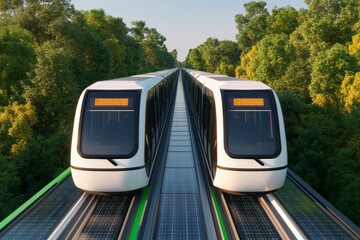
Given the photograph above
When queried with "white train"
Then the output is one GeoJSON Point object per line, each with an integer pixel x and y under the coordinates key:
{"type": "Point", "coordinates": [117, 129]}
{"type": "Point", "coordinates": [241, 129]}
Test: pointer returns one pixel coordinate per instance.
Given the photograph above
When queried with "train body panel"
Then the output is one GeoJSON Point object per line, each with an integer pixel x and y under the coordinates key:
{"type": "Point", "coordinates": [109, 132]}
{"type": "Point", "coordinates": [249, 181]}
{"type": "Point", "coordinates": [109, 181]}
{"type": "Point", "coordinates": [240, 164]}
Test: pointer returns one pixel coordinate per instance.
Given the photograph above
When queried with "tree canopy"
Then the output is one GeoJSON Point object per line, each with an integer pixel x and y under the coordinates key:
{"type": "Point", "coordinates": [49, 52]}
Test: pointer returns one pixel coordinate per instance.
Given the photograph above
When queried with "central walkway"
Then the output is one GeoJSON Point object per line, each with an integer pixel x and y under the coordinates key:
{"type": "Point", "coordinates": [180, 212]}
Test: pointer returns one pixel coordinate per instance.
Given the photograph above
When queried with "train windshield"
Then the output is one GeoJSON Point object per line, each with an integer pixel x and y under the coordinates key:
{"type": "Point", "coordinates": [110, 124]}
{"type": "Point", "coordinates": [251, 124]}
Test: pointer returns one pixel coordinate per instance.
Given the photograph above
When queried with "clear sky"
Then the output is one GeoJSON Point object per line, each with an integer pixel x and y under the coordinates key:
{"type": "Point", "coordinates": [186, 23]}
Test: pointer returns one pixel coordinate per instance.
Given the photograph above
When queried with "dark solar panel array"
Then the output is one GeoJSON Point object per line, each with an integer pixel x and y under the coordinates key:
{"type": "Point", "coordinates": [250, 218]}
{"type": "Point", "coordinates": [39, 222]}
{"type": "Point", "coordinates": [107, 219]}
{"type": "Point", "coordinates": [179, 217]}
{"type": "Point", "coordinates": [180, 213]}
{"type": "Point", "coordinates": [313, 221]}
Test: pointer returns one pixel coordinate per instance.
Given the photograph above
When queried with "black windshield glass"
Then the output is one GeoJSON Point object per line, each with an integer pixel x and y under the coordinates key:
{"type": "Point", "coordinates": [251, 127]}
{"type": "Point", "coordinates": [109, 124]}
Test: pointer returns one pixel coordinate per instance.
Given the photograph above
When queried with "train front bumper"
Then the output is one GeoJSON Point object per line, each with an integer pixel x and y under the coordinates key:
{"type": "Point", "coordinates": [101, 181]}
{"type": "Point", "coordinates": [238, 181]}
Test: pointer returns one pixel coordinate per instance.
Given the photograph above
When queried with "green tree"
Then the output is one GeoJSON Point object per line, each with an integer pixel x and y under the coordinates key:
{"type": "Point", "coordinates": [210, 53]}
{"type": "Point", "coordinates": [329, 22]}
{"type": "Point", "coordinates": [350, 86]}
{"type": "Point", "coordinates": [350, 90]}
{"type": "Point", "coordinates": [16, 122]}
{"type": "Point", "coordinates": [329, 69]}
{"type": "Point", "coordinates": [297, 78]}
{"type": "Point", "coordinates": [315, 143]}
{"type": "Point", "coordinates": [89, 57]}
{"type": "Point", "coordinates": [274, 55]}
{"type": "Point", "coordinates": [42, 161]}
{"type": "Point", "coordinates": [10, 194]}
{"type": "Point", "coordinates": [39, 16]}
{"type": "Point", "coordinates": [342, 183]}
{"type": "Point", "coordinates": [138, 30]}
{"type": "Point", "coordinates": [16, 59]}
{"type": "Point", "coordinates": [354, 48]}
{"type": "Point", "coordinates": [155, 55]}
{"type": "Point", "coordinates": [134, 56]}
{"type": "Point", "coordinates": [283, 20]}
{"type": "Point", "coordinates": [54, 91]}
{"type": "Point", "coordinates": [229, 57]}
{"type": "Point", "coordinates": [246, 68]}
{"type": "Point", "coordinates": [215, 56]}
{"type": "Point", "coordinates": [294, 110]}
{"type": "Point", "coordinates": [113, 34]}
{"type": "Point", "coordinates": [252, 26]}
{"type": "Point", "coordinates": [10, 5]}
{"type": "Point", "coordinates": [195, 60]}
{"type": "Point", "coordinates": [174, 53]}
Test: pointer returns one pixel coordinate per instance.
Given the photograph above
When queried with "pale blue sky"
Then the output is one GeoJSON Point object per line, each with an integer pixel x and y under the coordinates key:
{"type": "Point", "coordinates": [186, 23]}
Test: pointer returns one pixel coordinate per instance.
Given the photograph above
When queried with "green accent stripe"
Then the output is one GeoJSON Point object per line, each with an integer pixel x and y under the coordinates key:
{"type": "Point", "coordinates": [218, 212]}
{"type": "Point", "coordinates": [34, 198]}
{"type": "Point", "coordinates": [137, 222]}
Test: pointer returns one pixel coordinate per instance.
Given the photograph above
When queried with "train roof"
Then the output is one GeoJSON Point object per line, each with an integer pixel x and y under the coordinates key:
{"type": "Point", "coordinates": [226, 82]}
{"type": "Point", "coordinates": [133, 82]}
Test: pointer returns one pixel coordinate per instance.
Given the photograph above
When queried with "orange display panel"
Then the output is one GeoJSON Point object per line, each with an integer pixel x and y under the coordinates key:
{"type": "Point", "coordinates": [111, 102]}
{"type": "Point", "coordinates": [248, 102]}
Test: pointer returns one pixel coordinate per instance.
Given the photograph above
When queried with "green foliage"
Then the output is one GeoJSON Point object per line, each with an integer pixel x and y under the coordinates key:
{"type": "Point", "coordinates": [16, 58]}
{"type": "Point", "coordinates": [154, 55]}
{"type": "Point", "coordinates": [329, 69]}
{"type": "Point", "coordinates": [53, 89]}
{"type": "Point", "coordinates": [195, 60]}
{"type": "Point", "coordinates": [295, 109]}
{"type": "Point", "coordinates": [216, 56]}
{"type": "Point", "coordinates": [247, 62]}
{"type": "Point", "coordinates": [39, 16]}
{"type": "Point", "coordinates": [350, 90]}
{"type": "Point", "coordinates": [41, 162]}
{"type": "Point", "coordinates": [113, 34]}
{"type": "Point", "coordinates": [283, 20]}
{"type": "Point", "coordinates": [10, 194]}
{"type": "Point", "coordinates": [274, 55]}
{"type": "Point", "coordinates": [49, 53]}
{"type": "Point", "coordinates": [354, 48]}
{"type": "Point", "coordinates": [330, 21]}
{"type": "Point", "coordinates": [346, 181]}
{"type": "Point", "coordinates": [229, 57]}
{"type": "Point", "coordinates": [10, 5]}
{"type": "Point", "coordinates": [252, 26]}
{"type": "Point", "coordinates": [297, 78]}
{"type": "Point", "coordinates": [344, 167]}
{"type": "Point", "coordinates": [16, 123]}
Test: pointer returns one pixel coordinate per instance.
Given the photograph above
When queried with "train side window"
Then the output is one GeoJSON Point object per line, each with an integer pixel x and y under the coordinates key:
{"type": "Point", "coordinates": [109, 124]}
{"type": "Point", "coordinates": [251, 124]}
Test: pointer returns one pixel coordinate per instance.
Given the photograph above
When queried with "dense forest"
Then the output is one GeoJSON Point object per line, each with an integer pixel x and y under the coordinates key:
{"type": "Point", "coordinates": [311, 57]}
{"type": "Point", "coordinates": [49, 52]}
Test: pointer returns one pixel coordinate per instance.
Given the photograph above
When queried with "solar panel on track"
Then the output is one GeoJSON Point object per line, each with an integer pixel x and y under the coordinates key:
{"type": "Point", "coordinates": [314, 222]}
